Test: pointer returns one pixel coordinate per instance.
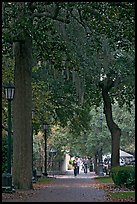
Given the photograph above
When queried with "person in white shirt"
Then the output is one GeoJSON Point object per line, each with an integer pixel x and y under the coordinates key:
{"type": "Point", "coordinates": [85, 162]}
{"type": "Point", "coordinates": [78, 165]}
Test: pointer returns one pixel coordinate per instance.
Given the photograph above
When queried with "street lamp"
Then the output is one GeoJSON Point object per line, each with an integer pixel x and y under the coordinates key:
{"type": "Point", "coordinates": [9, 92]}
{"type": "Point", "coordinates": [52, 154]}
{"type": "Point", "coordinates": [7, 177]}
{"type": "Point", "coordinates": [45, 126]}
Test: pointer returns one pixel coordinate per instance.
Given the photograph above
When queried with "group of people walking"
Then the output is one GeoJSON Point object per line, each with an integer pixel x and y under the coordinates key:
{"type": "Point", "coordinates": [78, 164]}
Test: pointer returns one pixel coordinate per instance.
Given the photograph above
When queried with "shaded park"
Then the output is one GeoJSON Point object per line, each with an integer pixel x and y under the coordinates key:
{"type": "Point", "coordinates": [71, 66]}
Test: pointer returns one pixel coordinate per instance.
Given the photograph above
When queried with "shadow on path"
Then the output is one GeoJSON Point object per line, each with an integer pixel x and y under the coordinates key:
{"type": "Point", "coordinates": [68, 188]}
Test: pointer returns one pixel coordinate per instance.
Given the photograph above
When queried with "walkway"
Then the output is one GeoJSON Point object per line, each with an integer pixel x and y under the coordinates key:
{"type": "Point", "coordinates": [68, 188]}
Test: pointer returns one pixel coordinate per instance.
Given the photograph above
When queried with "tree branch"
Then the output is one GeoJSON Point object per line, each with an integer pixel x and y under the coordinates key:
{"type": "Point", "coordinates": [56, 11]}
{"type": "Point", "coordinates": [80, 21]}
{"type": "Point", "coordinates": [54, 17]}
{"type": "Point", "coordinates": [107, 84]}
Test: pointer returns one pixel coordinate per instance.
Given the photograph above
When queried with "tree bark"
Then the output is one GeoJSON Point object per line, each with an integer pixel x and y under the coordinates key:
{"type": "Point", "coordinates": [106, 85]}
{"type": "Point", "coordinates": [22, 115]}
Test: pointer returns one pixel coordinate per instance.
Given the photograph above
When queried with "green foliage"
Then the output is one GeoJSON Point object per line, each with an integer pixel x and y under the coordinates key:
{"type": "Point", "coordinates": [45, 180]}
{"type": "Point", "coordinates": [70, 162]}
{"type": "Point", "coordinates": [38, 147]}
{"type": "Point", "coordinates": [54, 41]}
{"type": "Point", "coordinates": [104, 179]}
{"type": "Point", "coordinates": [124, 176]}
{"type": "Point", "coordinates": [126, 121]}
{"type": "Point", "coordinates": [56, 98]}
{"type": "Point", "coordinates": [121, 195]}
{"type": "Point", "coordinates": [98, 135]}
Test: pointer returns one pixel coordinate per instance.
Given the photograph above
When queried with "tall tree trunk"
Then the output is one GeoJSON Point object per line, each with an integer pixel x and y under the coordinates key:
{"type": "Point", "coordinates": [106, 85]}
{"type": "Point", "coordinates": [22, 113]}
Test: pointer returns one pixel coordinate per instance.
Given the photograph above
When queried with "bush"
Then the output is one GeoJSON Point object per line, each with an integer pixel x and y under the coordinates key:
{"type": "Point", "coordinates": [124, 176]}
{"type": "Point", "coordinates": [70, 162]}
{"type": "Point", "coordinates": [70, 167]}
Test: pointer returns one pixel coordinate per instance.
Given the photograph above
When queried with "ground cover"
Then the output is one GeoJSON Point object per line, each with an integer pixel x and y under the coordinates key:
{"type": "Point", "coordinates": [114, 193]}
{"type": "Point", "coordinates": [19, 195]}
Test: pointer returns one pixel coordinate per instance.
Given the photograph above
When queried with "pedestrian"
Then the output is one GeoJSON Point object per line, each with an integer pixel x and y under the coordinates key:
{"type": "Point", "coordinates": [78, 165]}
{"type": "Point", "coordinates": [75, 167]}
{"type": "Point", "coordinates": [85, 162]}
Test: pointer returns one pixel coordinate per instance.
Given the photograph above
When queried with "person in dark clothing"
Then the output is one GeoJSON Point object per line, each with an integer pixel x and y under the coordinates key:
{"type": "Point", "coordinates": [75, 167]}
{"type": "Point", "coordinates": [78, 165]}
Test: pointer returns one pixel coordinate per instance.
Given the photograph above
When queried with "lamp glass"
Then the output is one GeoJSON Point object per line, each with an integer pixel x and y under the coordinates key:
{"type": "Point", "coordinates": [9, 91]}
{"type": "Point", "coordinates": [45, 126]}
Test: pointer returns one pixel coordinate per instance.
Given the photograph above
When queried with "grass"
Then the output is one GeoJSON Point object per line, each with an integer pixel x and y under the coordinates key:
{"type": "Point", "coordinates": [105, 179]}
{"type": "Point", "coordinates": [129, 195]}
{"type": "Point", "coordinates": [45, 179]}
{"type": "Point", "coordinates": [125, 194]}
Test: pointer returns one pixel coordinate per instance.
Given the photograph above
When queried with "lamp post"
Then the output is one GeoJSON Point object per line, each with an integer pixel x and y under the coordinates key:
{"type": "Point", "coordinates": [9, 92]}
{"type": "Point", "coordinates": [7, 177]}
{"type": "Point", "coordinates": [45, 126]}
{"type": "Point", "coordinates": [52, 154]}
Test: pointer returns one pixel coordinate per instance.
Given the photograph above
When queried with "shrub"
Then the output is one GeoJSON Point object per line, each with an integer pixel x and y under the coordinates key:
{"type": "Point", "coordinates": [124, 176]}
{"type": "Point", "coordinates": [69, 167]}
{"type": "Point", "coordinates": [70, 162]}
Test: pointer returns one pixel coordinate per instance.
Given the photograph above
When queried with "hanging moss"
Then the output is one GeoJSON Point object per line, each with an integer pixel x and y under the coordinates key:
{"type": "Point", "coordinates": [77, 84]}
{"type": "Point", "coordinates": [67, 73]}
{"type": "Point", "coordinates": [82, 91]}
{"type": "Point", "coordinates": [73, 76]}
